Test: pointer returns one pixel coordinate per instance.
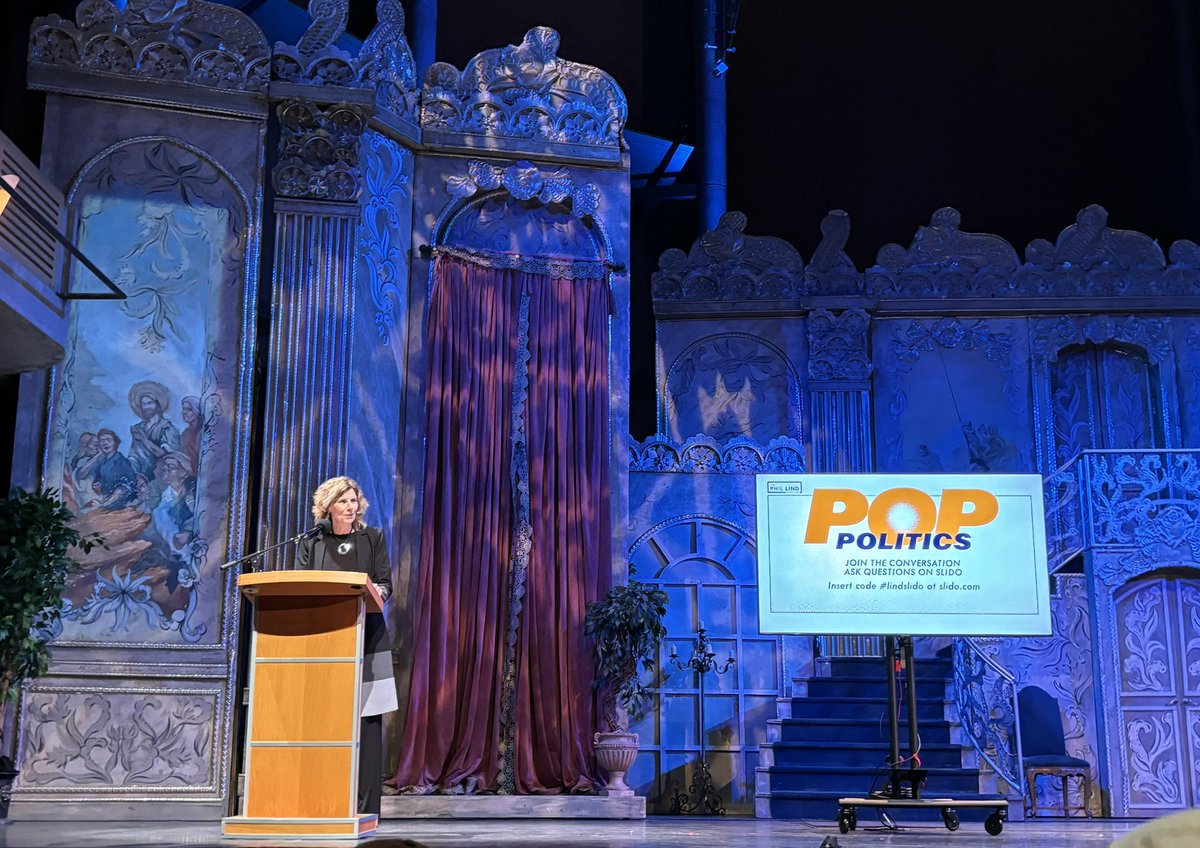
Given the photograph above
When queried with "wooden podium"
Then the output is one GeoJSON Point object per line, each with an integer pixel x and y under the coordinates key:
{"type": "Point", "coordinates": [302, 724]}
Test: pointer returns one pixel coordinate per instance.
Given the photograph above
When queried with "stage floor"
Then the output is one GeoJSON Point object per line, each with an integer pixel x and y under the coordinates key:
{"type": "Point", "coordinates": [655, 832]}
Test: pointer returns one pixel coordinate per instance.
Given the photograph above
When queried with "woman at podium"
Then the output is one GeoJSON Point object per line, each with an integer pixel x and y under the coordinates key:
{"type": "Point", "coordinates": [348, 544]}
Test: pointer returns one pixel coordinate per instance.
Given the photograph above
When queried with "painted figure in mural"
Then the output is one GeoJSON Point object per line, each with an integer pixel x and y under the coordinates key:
{"type": "Point", "coordinates": [189, 439]}
{"type": "Point", "coordinates": [117, 481]}
{"type": "Point", "coordinates": [927, 460]}
{"type": "Point", "coordinates": [83, 464]}
{"type": "Point", "coordinates": [154, 436]}
{"type": "Point", "coordinates": [350, 545]}
{"type": "Point", "coordinates": [176, 508]}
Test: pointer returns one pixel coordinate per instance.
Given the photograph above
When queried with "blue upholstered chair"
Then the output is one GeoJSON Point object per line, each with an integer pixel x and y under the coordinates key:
{"type": "Point", "coordinates": [1044, 751]}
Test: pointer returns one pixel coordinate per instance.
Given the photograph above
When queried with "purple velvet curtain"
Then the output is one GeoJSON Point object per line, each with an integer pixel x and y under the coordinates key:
{"type": "Point", "coordinates": [479, 602]}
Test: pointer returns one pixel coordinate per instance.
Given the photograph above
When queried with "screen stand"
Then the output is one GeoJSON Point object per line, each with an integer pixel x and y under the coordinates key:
{"type": "Point", "coordinates": [902, 782]}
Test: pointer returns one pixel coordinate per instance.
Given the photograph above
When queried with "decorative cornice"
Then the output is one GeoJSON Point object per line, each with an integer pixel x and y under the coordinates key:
{"type": "Point", "coordinates": [318, 151]}
{"type": "Point", "coordinates": [705, 455]}
{"type": "Point", "coordinates": [525, 91]}
{"type": "Point", "coordinates": [189, 41]}
{"type": "Point", "coordinates": [1089, 259]}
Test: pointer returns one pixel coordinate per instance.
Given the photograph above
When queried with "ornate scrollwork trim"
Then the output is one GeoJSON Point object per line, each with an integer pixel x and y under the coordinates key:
{"type": "Point", "coordinates": [705, 455]}
{"type": "Point", "coordinates": [522, 543]}
{"type": "Point", "coordinates": [562, 268]}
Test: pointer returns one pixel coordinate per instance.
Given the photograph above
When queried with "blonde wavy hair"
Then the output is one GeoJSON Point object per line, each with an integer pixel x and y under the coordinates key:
{"type": "Point", "coordinates": [328, 493]}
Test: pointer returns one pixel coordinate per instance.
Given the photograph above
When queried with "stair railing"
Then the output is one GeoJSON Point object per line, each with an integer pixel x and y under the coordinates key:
{"type": "Point", "coordinates": [830, 646]}
{"type": "Point", "coordinates": [985, 694]}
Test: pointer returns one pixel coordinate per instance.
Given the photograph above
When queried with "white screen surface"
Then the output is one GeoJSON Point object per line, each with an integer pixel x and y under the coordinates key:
{"type": "Point", "coordinates": [912, 554]}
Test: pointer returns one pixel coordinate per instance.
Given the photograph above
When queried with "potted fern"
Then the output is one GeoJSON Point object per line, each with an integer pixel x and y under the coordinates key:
{"type": "Point", "coordinates": [37, 548]}
{"type": "Point", "coordinates": [626, 627]}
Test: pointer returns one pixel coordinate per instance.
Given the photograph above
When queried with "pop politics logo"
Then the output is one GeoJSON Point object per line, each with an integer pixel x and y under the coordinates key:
{"type": "Point", "coordinates": [899, 519]}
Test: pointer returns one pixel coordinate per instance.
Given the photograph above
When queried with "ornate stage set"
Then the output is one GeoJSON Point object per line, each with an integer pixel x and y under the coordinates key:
{"type": "Point", "coordinates": [332, 266]}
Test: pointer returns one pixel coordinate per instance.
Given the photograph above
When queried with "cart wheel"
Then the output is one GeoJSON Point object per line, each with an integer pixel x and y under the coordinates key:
{"type": "Point", "coordinates": [951, 819]}
{"type": "Point", "coordinates": [853, 819]}
{"type": "Point", "coordinates": [994, 824]}
{"type": "Point", "coordinates": [844, 822]}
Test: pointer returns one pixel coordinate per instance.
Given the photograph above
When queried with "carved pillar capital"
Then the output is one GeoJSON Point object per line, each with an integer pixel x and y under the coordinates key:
{"type": "Point", "coordinates": [318, 156]}
{"type": "Point", "coordinates": [837, 345]}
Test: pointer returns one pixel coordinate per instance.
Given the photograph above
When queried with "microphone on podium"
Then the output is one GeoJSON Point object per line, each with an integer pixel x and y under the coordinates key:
{"type": "Point", "coordinates": [318, 530]}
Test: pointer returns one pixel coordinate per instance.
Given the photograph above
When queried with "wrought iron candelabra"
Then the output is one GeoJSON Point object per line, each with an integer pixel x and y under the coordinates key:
{"type": "Point", "coordinates": [701, 796]}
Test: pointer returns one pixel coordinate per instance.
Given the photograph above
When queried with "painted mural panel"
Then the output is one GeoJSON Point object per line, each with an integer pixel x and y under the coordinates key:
{"type": "Point", "coordinates": [952, 394]}
{"type": "Point", "coordinates": [731, 384]}
{"type": "Point", "coordinates": [146, 436]}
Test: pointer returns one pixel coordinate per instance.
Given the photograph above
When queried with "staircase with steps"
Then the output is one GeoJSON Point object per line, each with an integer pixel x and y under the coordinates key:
{"type": "Point", "coordinates": [835, 743]}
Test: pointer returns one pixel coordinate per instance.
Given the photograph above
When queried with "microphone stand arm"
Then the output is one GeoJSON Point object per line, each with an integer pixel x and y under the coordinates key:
{"type": "Point", "coordinates": [274, 547]}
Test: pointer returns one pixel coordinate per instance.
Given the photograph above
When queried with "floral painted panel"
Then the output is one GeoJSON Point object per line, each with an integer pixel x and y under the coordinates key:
{"type": "Point", "coordinates": [145, 420]}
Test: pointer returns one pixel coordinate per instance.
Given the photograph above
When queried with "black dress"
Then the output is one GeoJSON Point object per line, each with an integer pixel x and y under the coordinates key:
{"type": "Point", "coordinates": [364, 551]}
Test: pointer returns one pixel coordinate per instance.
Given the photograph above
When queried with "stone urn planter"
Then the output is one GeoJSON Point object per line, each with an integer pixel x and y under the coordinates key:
{"type": "Point", "coordinates": [626, 629]}
{"type": "Point", "coordinates": [615, 752]}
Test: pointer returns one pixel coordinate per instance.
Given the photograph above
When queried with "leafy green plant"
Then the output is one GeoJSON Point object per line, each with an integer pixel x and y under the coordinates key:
{"type": "Point", "coordinates": [627, 629]}
{"type": "Point", "coordinates": [38, 546]}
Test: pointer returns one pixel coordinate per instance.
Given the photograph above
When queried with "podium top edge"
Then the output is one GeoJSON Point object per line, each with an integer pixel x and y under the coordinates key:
{"type": "Point", "coordinates": [306, 582]}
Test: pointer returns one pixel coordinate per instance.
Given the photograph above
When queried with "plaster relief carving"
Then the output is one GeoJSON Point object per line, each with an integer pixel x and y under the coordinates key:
{"type": "Point", "coordinates": [943, 245]}
{"type": "Point", "coordinates": [727, 264]}
{"type": "Point", "coordinates": [525, 181]}
{"type": "Point", "coordinates": [384, 64]}
{"type": "Point", "coordinates": [1148, 500]}
{"type": "Point", "coordinates": [192, 41]}
{"type": "Point", "coordinates": [382, 234]}
{"type": "Point", "coordinates": [526, 91]}
{"type": "Point", "coordinates": [1089, 259]}
{"type": "Point", "coordinates": [1049, 337]}
{"type": "Point", "coordinates": [114, 739]}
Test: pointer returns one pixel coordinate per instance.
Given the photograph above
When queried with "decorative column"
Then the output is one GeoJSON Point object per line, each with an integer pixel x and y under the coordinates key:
{"type": "Point", "coordinates": [317, 183]}
{"type": "Point", "coordinates": [839, 373]}
{"type": "Point", "coordinates": [839, 390]}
